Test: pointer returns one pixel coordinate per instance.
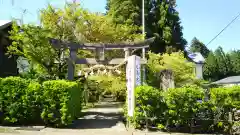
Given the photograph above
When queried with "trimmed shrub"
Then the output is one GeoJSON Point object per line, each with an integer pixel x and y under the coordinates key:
{"type": "Point", "coordinates": [172, 108]}
{"type": "Point", "coordinates": [20, 100]}
{"type": "Point", "coordinates": [183, 108]}
{"type": "Point", "coordinates": [149, 104]}
{"type": "Point", "coordinates": [27, 102]}
{"type": "Point", "coordinates": [226, 96]}
{"type": "Point", "coordinates": [224, 100]}
{"type": "Point", "coordinates": [32, 102]}
{"type": "Point", "coordinates": [183, 104]}
{"type": "Point", "coordinates": [62, 102]}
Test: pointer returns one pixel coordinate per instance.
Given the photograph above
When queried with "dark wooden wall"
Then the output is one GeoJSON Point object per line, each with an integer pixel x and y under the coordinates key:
{"type": "Point", "coordinates": [8, 66]}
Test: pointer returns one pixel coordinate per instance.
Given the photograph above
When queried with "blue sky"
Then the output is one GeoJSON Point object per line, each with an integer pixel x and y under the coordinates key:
{"type": "Point", "coordinates": [201, 18]}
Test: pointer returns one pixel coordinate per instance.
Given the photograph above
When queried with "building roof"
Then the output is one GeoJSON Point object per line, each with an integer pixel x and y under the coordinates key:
{"type": "Point", "coordinates": [196, 57]}
{"type": "Point", "coordinates": [228, 80]}
{"type": "Point", "coordinates": [4, 24]}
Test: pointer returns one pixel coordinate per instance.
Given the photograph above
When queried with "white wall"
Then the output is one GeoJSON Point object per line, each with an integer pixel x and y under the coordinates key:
{"type": "Point", "coordinates": [199, 71]}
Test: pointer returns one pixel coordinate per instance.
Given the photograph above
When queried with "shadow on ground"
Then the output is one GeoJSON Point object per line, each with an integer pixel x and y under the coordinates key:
{"type": "Point", "coordinates": [110, 105]}
{"type": "Point", "coordinates": [104, 115]}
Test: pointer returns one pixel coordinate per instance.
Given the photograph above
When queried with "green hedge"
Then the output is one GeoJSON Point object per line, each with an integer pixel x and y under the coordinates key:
{"type": "Point", "coordinates": [228, 97]}
{"type": "Point", "coordinates": [183, 104]}
{"type": "Point", "coordinates": [182, 107]}
{"type": "Point", "coordinates": [149, 103]}
{"type": "Point", "coordinates": [27, 102]}
{"type": "Point", "coordinates": [225, 100]}
{"type": "Point", "coordinates": [62, 102]}
{"type": "Point", "coordinates": [19, 100]}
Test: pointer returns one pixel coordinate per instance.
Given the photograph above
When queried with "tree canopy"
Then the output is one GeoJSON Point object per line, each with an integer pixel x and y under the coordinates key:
{"type": "Point", "coordinates": [235, 61]}
{"type": "Point", "coordinates": [198, 46]}
{"type": "Point", "coordinates": [210, 69]}
{"type": "Point", "coordinates": [183, 70]}
{"type": "Point", "coordinates": [220, 64]}
{"type": "Point", "coordinates": [72, 23]}
{"type": "Point", "coordinates": [162, 20]}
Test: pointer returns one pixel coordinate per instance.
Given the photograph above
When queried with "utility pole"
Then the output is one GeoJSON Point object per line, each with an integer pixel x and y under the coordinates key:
{"type": "Point", "coordinates": [143, 18]}
{"type": "Point", "coordinates": [143, 34]}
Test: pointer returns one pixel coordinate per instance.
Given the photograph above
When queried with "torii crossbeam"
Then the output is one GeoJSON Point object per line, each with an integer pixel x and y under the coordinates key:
{"type": "Point", "coordinates": [100, 49]}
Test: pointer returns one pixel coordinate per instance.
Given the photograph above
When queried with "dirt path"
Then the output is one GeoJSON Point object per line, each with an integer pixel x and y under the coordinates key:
{"type": "Point", "coordinates": [106, 115]}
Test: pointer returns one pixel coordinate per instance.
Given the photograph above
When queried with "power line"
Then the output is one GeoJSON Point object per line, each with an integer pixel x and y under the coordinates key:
{"type": "Point", "coordinates": [224, 29]}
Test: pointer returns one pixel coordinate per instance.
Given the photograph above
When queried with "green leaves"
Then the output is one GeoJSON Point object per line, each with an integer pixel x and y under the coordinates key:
{"type": "Point", "coordinates": [107, 85]}
{"type": "Point", "coordinates": [175, 106]}
{"type": "Point", "coordinates": [182, 103]}
{"type": "Point", "coordinates": [32, 43]}
{"type": "Point", "coordinates": [161, 19]}
{"type": "Point", "coordinates": [149, 104]}
{"type": "Point", "coordinates": [198, 46]}
{"type": "Point", "coordinates": [19, 101]}
{"type": "Point", "coordinates": [124, 11]}
{"type": "Point", "coordinates": [55, 103]}
{"type": "Point", "coordinates": [226, 97]}
{"type": "Point", "coordinates": [210, 69]}
{"type": "Point", "coordinates": [178, 107]}
{"type": "Point", "coordinates": [220, 65]}
{"type": "Point", "coordinates": [72, 23]}
{"type": "Point", "coordinates": [183, 71]}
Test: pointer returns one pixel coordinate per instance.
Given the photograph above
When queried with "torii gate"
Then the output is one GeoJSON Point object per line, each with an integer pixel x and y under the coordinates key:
{"type": "Point", "coordinates": [100, 50]}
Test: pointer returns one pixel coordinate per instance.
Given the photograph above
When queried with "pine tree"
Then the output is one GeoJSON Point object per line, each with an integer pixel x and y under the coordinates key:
{"type": "Point", "coordinates": [124, 11]}
{"type": "Point", "coordinates": [198, 46]}
{"type": "Point", "coordinates": [235, 60]}
{"type": "Point", "coordinates": [224, 63]}
{"type": "Point", "coordinates": [162, 20]}
{"type": "Point", "coordinates": [220, 65]}
{"type": "Point", "coordinates": [211, 68]}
